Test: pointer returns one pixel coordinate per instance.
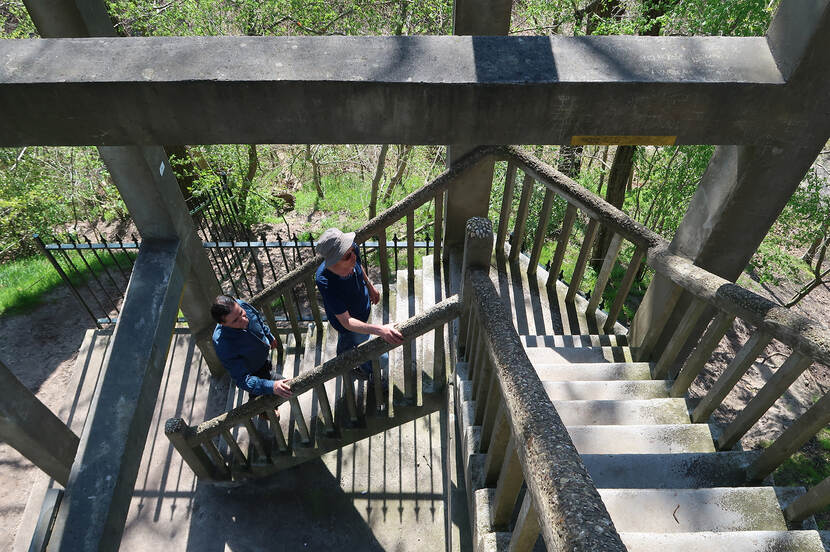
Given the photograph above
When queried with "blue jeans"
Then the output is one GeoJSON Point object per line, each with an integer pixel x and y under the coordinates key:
{"type": "Point", "coordinates": [350, 340]}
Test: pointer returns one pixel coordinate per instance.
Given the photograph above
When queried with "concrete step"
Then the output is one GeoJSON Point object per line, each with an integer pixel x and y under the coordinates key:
{"type": "Point", "coordinates": [691, 510]}
{"type": "Point", "coordinates": [599, 371]}
{"type": "Point", "coordinates": [563, 355]}
{"type": "Point", "coordinates": [641, 439]}
{"type": "Point", "coordinates": [736, 541]}
{"type": "Point", "coordinates": [623, 412]}
{"type": "Point", "coordinates": [574, 340]}
{"type": "Point", "coordinates": [606, 390]}
{"type": "Point", "coordinates": [689, 470]}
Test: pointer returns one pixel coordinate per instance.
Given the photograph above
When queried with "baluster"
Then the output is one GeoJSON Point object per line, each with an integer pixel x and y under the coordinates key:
{"type": "Point", "coordinates": [348, 392]}
{"type": "Point", "coordinates": [506, 206]}
{"type": "Point", "coordinates": [507, 488]}
{"type": "Point", "coordinates": [377, 377]}
{"type": "Point", "coordinates": [383, 261]}
{"type": "Point", "coordinates": [474, 368]}
{"type": "Point", "coordinates": [293, 317]}
{"type": "Point", "coordinates": [256, 438]}
{"type": "Point", "coordinates": [806, 505]}
{"type": "Point", "coordinates": [177, 432]}
{"type": "Point", "coordinates": [311, 291]}
{"type": "Point", "coordinates": [541, 230]}
{"type": "Point", "coordinates": [325, 407]}
{"type": "Point", "coordinates": [730, 377]}
{"type": "Point", "coordinates": [272, 323]}
{"type": "Point", "coordinates": [210, 448]}
{"type": "Point", "coordinates": [410, 377]}
{"type": "Point", "coordinates": [780, 381]}
{"type": "Point", "coordinates": [395, 250]}
{"type": "Point", "coordinates": [582, 260]}
{"type": "Point", "coordinates": [679, 338]}
{"type": "Point", "coordinates": [561, 245]}
{"type": "Point", "coordinates": [276, 429]}
{"type": "Point", "coordinates": [702, 353]}
{"type": "Point", "coordinates": [793, 438]}
{"type": "Point", "coordinates": [488, 416]}
{"type": "Point", "coordinates": [527, 529]}
{"type": "Point", "coordinates": [234, 446]}
{"type": "Point", "coordinates": [483, 387]}
{"type": "Point", "coordinates": [625, 287]}
{"type": "Point", "coordinates": [604, 273]}
{"type": "Point", "coordinates": [496, 447]}
{"type": "Point", "coordinates": [299, 420]}
{"type": "Point", "coordinates": [438, 228]}
{"type": "Point", "coordinates": [410, 249]}
{"type": "Point", "coordinates": [521, 218]}
{"type": "Point", "coordinates": [656, 327]}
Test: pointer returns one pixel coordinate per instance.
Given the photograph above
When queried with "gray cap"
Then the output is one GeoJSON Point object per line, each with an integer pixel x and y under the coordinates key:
{"type": "Point", "coordinates": [333, 244]}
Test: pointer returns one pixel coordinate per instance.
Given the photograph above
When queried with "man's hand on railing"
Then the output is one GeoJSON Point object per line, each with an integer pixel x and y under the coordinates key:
{"type": "Point", "coordinates": [390, 334]}
{"type": "Point", "coordinates": [281, 388]}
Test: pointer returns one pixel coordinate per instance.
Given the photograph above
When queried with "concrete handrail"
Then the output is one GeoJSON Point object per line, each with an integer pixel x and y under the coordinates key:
{"type": "Point", "coordinates": [571, 513]}
{"type": "Point", "coordinates": [389, 216]}
{"type": "Point", "coordinates": [412, 328]}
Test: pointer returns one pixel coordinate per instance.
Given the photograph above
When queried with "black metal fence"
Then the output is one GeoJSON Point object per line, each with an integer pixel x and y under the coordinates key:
{"type": "Point", "coordinates": [97, 273]}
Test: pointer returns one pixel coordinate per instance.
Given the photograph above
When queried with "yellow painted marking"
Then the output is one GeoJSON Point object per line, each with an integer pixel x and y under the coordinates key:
{"type": "Point", "coordinates": [623, 140]}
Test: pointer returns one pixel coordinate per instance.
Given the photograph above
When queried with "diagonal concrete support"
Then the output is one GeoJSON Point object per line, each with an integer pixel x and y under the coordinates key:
{"type": "Point", "coordinates": [148, 187]}
{"type": "Point", "coordinates": [33, 430]}
{"type": "Point", "coordinates": [93, 512]}
{"type": "Point", "coordinates": [144, 177]}
{"type": "Point", "coordinates": [745, 188]}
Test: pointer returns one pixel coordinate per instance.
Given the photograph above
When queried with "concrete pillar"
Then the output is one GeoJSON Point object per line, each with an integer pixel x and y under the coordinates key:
{"type": "Point", "coordinates": [149, 189]}
{"type": "Point", "coordinates": [144, 178]}
{"type": "Point", "coordinates": [33, 430]}
{"type": "Point", "coordinates": [94, 510]}
{"type": "Point", "coordinates": [470, 197]}
{"type": "Point", "coordinates": [745, 188]}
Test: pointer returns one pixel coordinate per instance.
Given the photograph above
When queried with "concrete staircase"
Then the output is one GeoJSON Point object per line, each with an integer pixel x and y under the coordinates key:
{"type": "Point", "coordinates": [379, 406]}
{"type": "Point", "coordinates": [659, 475]}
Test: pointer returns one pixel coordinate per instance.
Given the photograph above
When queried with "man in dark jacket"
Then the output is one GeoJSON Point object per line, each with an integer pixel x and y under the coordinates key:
{"type": "Point", "coordinates": [243, 342]}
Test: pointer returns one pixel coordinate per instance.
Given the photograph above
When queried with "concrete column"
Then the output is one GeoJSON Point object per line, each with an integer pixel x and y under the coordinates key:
{"type": "Point", "coordinates": [94, 510]}
{"type": "Point", "coordinates": [149, 189]}
{"type": "Point", "coordinates": [144, 178]}
{"type": "Point", "coordinates": [745, 188]}
{"type": "Point", "coordinates": [470, 197]}
{"type": "Point", "coordinates": [33, 430]}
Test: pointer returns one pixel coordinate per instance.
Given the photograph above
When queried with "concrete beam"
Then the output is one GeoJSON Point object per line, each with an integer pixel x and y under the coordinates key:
{"type": "Point", "coordinates": [416, 90]}
{"type": "Point", "coordinates": [33, 430]}
{"type": "Point", "coordinates": [94, 510]}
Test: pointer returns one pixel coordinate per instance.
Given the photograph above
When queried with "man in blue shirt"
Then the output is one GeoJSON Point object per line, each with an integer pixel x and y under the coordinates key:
{"type": "Point", "coordinates": [243, 341]}
{"type": "Point", "coordinates": [348, 294]}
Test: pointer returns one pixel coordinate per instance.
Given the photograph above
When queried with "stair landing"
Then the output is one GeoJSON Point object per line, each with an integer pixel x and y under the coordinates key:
{"type": "Point", "coordinates": [385, 492]}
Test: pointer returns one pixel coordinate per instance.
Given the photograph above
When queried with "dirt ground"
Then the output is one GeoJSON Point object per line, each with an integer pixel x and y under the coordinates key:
{"type": "Point", "coordinates": [40, 349]}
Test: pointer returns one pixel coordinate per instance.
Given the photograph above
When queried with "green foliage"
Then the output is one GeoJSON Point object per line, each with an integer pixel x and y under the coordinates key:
{"type": "Point", "coordinates": [16, 21]}
{"type": "Point", "coordinates": [42, 189]}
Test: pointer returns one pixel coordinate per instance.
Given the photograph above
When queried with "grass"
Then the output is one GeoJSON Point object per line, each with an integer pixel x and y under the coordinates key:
{"type": "Point", "coordinates": [24, 282]}
{"type": "Point", "coordinates": [807, 468]}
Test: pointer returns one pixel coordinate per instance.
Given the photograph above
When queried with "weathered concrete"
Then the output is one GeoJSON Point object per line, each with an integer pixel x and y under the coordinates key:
{"type": "Point", "coordinates": [33, 430]}
{"type": "Point", "coordinates": [94, 510]}
{"type": "Point", "coordinates": [738, 541]}
{"type": "Point", "coordinates": [159, 210]}
{"type": "Point", "coordinates": [416, 90]}
{"type": "Point", "coordinates": [745, 187]}
{"type": "Point", "coordinates": [468, 197]}
{"type": "Point", "coordinates": [148, 186]}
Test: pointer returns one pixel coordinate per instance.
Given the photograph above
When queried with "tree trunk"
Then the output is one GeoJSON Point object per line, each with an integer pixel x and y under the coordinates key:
{"type": "Point", "coordinates": [570, 161]}
{"type": "Point", "coordinates": [615, 195]}
{"type": "Point", "coordinates": [315, 171]}
{"type": "Point", "coordinates": [403, 159]}
{"type": "Point", "coordinates": [247, 181]}
{"type": "Point", "coordinates": [373, 202]}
